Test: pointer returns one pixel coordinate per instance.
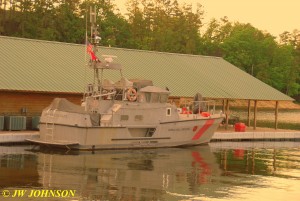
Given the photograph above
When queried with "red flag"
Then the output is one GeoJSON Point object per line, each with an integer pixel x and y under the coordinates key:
{"type": "Point", "coordinates": [89, 49]}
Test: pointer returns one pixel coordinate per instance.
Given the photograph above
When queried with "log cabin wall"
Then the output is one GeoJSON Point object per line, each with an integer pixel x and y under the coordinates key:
{"type": "Point", "coordinates": [30, 103]}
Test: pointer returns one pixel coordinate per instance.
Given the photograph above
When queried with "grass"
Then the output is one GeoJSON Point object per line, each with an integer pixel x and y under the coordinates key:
{"type": "Point", "coordinates": [271, 124]}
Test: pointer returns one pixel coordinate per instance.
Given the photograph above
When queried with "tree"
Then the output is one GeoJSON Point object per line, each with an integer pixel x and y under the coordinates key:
{"type": "Point", "coordinates": [217, 31]}
{"type": "Point", "coordinates": [69, 26]}
{"type": "Point", "coordinates": [290, 42]}
{"type": "Point", "coordinates": [248, 48]}
{"type": "Point", "coordinates": [136, 24]}
{"type": "Point", "coordinates": [163, 25]}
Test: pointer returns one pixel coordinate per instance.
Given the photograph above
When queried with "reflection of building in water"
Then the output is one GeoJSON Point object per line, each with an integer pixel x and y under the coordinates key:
{"type": "Point", "coordinates": [17, 168]}
{"type": "Point", "coordinates": [257, 158]}
{"type": "Point", "coordinates": [129, 175]}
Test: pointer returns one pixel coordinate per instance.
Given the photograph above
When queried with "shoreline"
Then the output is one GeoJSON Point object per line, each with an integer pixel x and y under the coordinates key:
{"type": "Point", "coordinates": [262, 105]}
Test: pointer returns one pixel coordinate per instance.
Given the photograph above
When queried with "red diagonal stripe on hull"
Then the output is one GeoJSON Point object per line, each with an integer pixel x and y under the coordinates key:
{"type": "Point", "coordinates": [207, 124]}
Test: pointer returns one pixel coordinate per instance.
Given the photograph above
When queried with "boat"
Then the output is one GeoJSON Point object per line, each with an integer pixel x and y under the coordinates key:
{"type": "Point", "coordinates": [125, 114]}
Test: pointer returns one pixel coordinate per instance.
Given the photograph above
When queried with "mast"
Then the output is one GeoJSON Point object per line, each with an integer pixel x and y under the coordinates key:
{"type": "Point", "coordinates": [93, 91]}
{"type": "Point", "coordinates": [97, 91]}
{"type": "Point", "coordinates": [95, 40]}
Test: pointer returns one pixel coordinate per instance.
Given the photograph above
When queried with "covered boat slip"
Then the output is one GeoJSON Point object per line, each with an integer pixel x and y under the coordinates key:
{"type": "Point", "coordinates": [184, 75]}
{"type": "Point", "coordinates": [226, 103]}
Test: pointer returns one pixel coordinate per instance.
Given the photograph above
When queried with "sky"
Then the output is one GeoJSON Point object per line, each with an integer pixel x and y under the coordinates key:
{"type": "Point", "coordinates": [273, 16]}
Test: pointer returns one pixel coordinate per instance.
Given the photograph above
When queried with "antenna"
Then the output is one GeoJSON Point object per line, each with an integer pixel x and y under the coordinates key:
{"type": "Point", "coordinates": [92, 14]}
{"type": "Point", "coordinates": [94, 32]}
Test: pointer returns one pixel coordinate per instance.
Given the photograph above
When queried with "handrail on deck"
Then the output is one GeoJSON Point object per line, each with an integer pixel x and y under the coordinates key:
{"type": "Point", "coordinates": [203, 106]}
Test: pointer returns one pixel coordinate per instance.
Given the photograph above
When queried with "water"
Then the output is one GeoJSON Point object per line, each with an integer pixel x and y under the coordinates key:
{"type": "Point", "coordinates": [219, 171]}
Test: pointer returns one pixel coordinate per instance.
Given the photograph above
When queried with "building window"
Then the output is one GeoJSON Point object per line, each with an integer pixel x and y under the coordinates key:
{"type": "Point", "coordinates": [168, 112]}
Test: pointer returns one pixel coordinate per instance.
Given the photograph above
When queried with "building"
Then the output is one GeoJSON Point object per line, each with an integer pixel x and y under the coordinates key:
{"type": "Point", "coordinates": [33, 72]}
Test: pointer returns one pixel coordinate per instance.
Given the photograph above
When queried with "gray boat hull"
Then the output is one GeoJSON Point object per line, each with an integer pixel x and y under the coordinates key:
{"type": "Point", "coordinates": [166, 134]}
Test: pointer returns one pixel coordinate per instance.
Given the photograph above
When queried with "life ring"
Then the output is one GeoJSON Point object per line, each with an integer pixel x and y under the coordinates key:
{"type": "Point", "coordinates": [131, 94]}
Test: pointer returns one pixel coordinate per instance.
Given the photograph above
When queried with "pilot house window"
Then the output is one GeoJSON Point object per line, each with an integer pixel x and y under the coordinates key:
{"type": "Point", "coordinates": [154, 98]}
{"type": "Point", "coordinates": [148, 97]}
{"type": "Point", "coordinates": [164, 98]}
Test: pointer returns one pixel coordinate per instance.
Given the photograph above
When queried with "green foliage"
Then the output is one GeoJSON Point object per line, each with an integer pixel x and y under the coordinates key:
{"type": "Point", "coordinates": [248, 48]}
{"type": "Point", "coordinates": [256, 52]}
{"type": "Point", "coordinates": [164, 26]}
{"type": "Point", "coordinates": [161, 25]}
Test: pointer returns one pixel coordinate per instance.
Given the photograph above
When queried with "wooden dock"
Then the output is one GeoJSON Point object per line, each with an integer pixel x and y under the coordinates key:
{"type": "Point", "coordinates": [259, 134]}
{"type": "Point", "coordinates": [242, 136]}
{"type": "Point", "coordinates": [10, 137]}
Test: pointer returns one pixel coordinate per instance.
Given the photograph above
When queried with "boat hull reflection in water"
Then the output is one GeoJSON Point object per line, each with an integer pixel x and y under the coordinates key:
{"type": "Point", "coordinates": [195, 173]}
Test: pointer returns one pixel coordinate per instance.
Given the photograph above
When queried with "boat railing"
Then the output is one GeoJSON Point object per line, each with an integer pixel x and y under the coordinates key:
{"type": "Point", "coordinates": [105, 94]}
{"type": "Point", "coordinates": [199, 107]}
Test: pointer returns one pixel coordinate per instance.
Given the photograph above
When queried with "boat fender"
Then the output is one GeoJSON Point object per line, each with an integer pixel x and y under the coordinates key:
{"type": "Point", "coordinates": [185, 111]}
{"type": "Point", "coordinates": [131, 94]}
{"type": "Point", "coordinates": [205, 114]}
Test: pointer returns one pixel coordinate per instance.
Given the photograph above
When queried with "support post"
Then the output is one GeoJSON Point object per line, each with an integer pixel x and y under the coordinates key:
{"type": "Point", "coordinates": [255, 112]}
{"type": "Point", "coordinates": [249, 110]}
{"type": "Point", "coordinates": [227, 114]}
{"type": "Point", "coordinates": [276, 114]}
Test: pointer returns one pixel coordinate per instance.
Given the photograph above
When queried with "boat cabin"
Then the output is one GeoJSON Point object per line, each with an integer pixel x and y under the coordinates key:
{"type": "Point", "coordinates": [153, 94]}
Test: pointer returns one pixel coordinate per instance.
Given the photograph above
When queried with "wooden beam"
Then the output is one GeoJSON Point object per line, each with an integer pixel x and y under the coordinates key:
{"type": "Point", "coordinates": [249, 110]}
{"type": "Point", "coordinates": [276, 114]}
{"type": "Point", "coordinates": [255, 111]}
{"type": "Point", "coordinates": [227, 113]}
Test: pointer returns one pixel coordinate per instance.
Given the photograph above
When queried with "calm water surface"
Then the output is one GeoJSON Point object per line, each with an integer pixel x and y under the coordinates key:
{"type": "Point", "coordinates": [251, 171]}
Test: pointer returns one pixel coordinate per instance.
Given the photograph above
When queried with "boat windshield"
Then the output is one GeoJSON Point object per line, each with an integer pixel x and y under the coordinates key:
{"type": "Point", "coordinates": [155, 97]}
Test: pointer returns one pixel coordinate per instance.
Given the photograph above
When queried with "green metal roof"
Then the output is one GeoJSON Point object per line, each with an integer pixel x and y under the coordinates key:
{"type": "Point", "coordinates": [35, 65]}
